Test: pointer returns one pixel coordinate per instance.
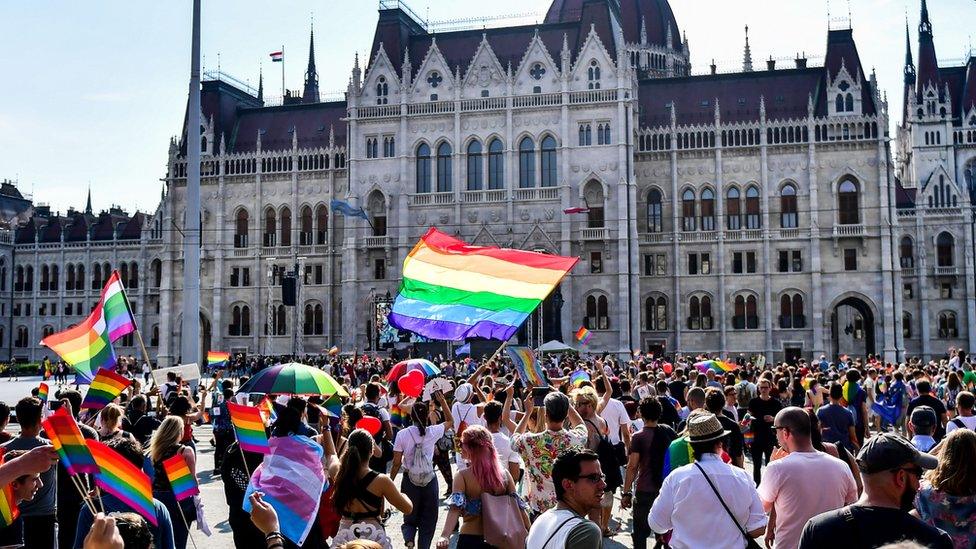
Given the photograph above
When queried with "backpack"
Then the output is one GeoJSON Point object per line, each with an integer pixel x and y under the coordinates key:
{"type": "Point", "coordinates": [462, 425]}
{"type": "Point", "coordinates": [421, 470]}
{"type": "Point", "coordinates": [607, 454]}
{"type": "Point", "coordinates": [742, 394]}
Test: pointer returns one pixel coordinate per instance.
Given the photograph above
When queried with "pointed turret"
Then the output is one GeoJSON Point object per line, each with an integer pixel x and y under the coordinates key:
{"type": "Point", "coordinates": [928, 65]}
{"type": "Point", "coordinates": [88, 207]}
{"type": "Point", "coordinates": [260, 85]}
{"type": "Point", "coordinates": [747, 54]}
{"type": "Point", "coordinates": [909, 71]}
{"type": "Point", "coordinates": [311, 93]}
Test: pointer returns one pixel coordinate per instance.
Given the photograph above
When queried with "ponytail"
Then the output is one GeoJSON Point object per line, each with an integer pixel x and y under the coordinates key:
{"type": "Point", "coordinates": [358, 450]}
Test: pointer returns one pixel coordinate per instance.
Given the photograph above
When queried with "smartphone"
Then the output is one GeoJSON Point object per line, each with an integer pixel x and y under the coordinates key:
{"type": "Point", "coordinates": [539, 395]}
{"type": "Point", "coordinates": [54, 404]}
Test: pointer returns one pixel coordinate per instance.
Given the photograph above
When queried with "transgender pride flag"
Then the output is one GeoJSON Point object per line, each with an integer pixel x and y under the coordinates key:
{"type": "Point", "coordinates": [292, 482]}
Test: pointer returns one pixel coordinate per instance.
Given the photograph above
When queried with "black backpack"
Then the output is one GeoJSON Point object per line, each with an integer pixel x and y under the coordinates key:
{"type": "Point", "coordinates": [609, 463]}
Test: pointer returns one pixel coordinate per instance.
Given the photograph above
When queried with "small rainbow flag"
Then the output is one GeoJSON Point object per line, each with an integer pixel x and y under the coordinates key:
{"type": "Point", "coordinates": [183, 483]}
{"type": "Point", "coordinates": [333, 351]}
{"type": "Point", "coordinates": [42, 392]}
{"type": "Point", "coordinates": [104, 388]}
{"type": "Point", "coordinates": [249, 427]}
{"type": "Point", "coordinates": [266, 407]}
{"type": "Point", "coordinates": [215, 359]}
{"type": "Point", "coordinates": [65, 435]}
{"type": "Point", "coordinates": [123, 480]}
{"type": "Point", "coordinates": [717, 366]}
{"type": "Point", "coordinates": [8, 507]}
{"type": "Point", "coordinates": [398, 416]}
{"type": "Point", "coordinates": [583, 335]}
{"type": "Point", "coordinates": [579, 376]}
{"type": "Point", "coordinates": [523, 358]}
{"type": "Point", "coordinates": [333, 405]}
{"type": "Point", "coordinates": [679, 453]}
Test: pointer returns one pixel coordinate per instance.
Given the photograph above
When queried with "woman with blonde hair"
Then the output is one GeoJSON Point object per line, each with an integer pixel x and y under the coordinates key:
{"type": "Point", "coordinates": [110, 423]}
{"type": "Point", "coordinates": [165, 444]}
{"type": "Point", "coordinates": [947, 497]}
{"type": "Point", "coordinates": [484, 475]}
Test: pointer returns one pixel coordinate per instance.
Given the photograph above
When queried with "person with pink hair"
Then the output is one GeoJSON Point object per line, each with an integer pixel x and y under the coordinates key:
{"type": "Point", "coordinates": [484, 475]}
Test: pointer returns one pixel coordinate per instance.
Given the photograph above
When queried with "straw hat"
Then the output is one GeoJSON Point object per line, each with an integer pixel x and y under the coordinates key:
{"type": "Point", "coordinates": [463, 393]}
{"type": "Point", "coordinates": [705, 428]}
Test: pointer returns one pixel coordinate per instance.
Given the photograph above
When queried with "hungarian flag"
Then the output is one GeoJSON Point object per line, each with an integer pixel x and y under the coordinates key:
{"type": "Point", "coordinates": [277, 56]}
{"type": "Point", "coordinates": [576, 210]}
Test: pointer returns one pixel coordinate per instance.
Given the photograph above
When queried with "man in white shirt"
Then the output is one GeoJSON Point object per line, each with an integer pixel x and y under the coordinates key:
{"type": "Point", "coordinates": [965, 420]}
{"type": "Point", "coordinates": [615, 414]}
{"type": "Point", "coordinates": [686, 496]}
{"type": "Point", "coordinates": [786, 485]}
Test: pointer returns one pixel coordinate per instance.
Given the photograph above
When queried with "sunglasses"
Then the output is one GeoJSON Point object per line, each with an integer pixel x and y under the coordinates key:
{"type": "Point", "coordinates": [595, 478]}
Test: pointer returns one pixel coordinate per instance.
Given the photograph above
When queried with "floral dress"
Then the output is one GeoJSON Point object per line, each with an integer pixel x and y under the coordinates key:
{"type": "Point", "coordinates": [539, 451]}
{"type": "Point", "coordinates": [954, 514]}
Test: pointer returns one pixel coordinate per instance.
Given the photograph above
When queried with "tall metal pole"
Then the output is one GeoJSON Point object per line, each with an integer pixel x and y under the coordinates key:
{"type": "Point", "coordinates": [190, 338]}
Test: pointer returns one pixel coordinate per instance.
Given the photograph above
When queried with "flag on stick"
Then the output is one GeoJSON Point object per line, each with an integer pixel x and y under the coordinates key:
{"type": "Point", "coordinates": [181, 480]}
{"type": "Point", "coordinates": [249, 428]}
{"type": "Point", "coordinates": [8, 507]}
{"type": "Point", "coordinates": [42, 392]}
{"type": "Point", "coordinates": [65, 435]}
{"type": "Point", "coordinates": [523, 358]}
{"type": "Point", "coordinates": [583, 335]}
{"type": "Point", "coordinates": [104, 389]}
{"type": "Point", "coordinates": [217, 359]}
{"type": "Point", "coordinates": [123, 480]}
{"type": "Point", "coordinates": [452, 290]}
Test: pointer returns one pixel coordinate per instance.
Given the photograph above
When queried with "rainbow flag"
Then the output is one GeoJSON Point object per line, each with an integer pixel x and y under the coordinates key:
{"type": "Point", "coordinates": [65, 435]}
{"type": "Point", "coordinates": [123, 480]}
{"type": "Point", "coordinates": [88, 345]}
{"type": "Point", "coordinates": [523, 358]}
{"type": "Point", "coordinates": [333, 405]}
{"type": "Point", "coordinates": [453, 291]}
{"type": "Point", "coordinates": [215, 359]}
{"type": "Point", "coordinates": [579, 376]}
{"type": "Point", "coordinates": [398, 416]}
{"type": "Point", "coordinates": [183, 483]}
{"type": "Point", "coordinates": [8, 507]}
{"type": "Point", "coordinates": [266, 407]}
{"type": "Point", "coordinates": [679, 453]}
{"type": "Point", "coordinates": [104, 389]}
{"type": "Point", "coordinates": [249, 427]}
{"type": "Point", "coordinates": [717, 366]}
{"type": "Point", "coordinates": [583, 335]}
{"type": "Point", "coordinates": [850, 393]}
{"type": "Point", "coordinates": [42, 392]}
{"type": "Point", "coordinates": [333, 351]}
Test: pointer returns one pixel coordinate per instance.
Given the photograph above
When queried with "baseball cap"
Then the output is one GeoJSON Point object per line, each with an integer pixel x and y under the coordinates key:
{"type": "Point", "coordinates": [923, 416]}
{"type": "Point", "coordinates": [889, 451]}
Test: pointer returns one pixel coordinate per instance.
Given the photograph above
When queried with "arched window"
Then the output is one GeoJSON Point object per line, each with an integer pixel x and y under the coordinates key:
{"type": "Point", "coordinates": [444, 172]}
{"type": "Point", "coordinates": [496, 164]}
{"type": "Point", "coordinates": [593, 75]}
{"type": "Point", "coordinates": [849, 103]}
{"type": "Point", "coordinates": [69, 281]}
{"type": "Point", "coordinates": [29, 279]}
{"type": "Point", "coordinates": [133, 275]}
{"type": "Point", "coordinates": [154, 336]}
{"type": "Point", "coordinates": [848, 208]}
{"type": "Point", "coordinates": [307, 319]}
{"type": "Point", "coordinates": [707, 210]}
{"type": "Point", "coordinates": [382, 91]}
{"type": "Point", "coordinates": [733, 210]}
{"type": "Point", "coordinates": [278, 326]}
{"type": "Point", "coordinates": [286, 226]}
{"type": "Point", "coordinates": [700, 313]}
{"type": "Point", "coordinates": [788, 216]}
{"type": "Point", "coordinates": [53, 284]}
{"type": "Point", "coordinates": [606, 133]}
{"type": "Point", "coordinates": [753, 218]}
{"type": "Point", "coordinates": [321, 224]}
{"type": "Point", "coordinates": [549, 169]}
{"type": "Point", "coordinates": [305, 227]}
{"type": "Point", "coordinates": [96, 281]}
{"type": "Point", "coordinates": [124, 274]}
{"type": "Point", "coordinates": [752, 314]}
{"type": "Point", "coordinates": [235, 321]}
{"type": "Point", "coordinates": [688, 210]}
{"type": "Point", "coordinates": [656, 314]}
{"type": "Point", "coordinates": [599, 134]}
{"type": "Point", "coordinates": [318, 320]}
{"type": "Point", "coordinates": [906, 253]}
{"type": "Point", "coordinates": [423, 168]}
{"type": "Point", "coordinates": [240, 229]}
{"type": "Point", "coordinates": [475, 167]}
{"type": "Point", "coordinates": [22, 337]}
{"type": "Point", "coordinates": [245, 320]}
{"type": "Point", "coordinates": [106, 273]}
{"type": "Point", "coordinates": [46, 331]}
{"type": "Point", "coordinates": [45, 275]}
{"type": "Point", "coordinates": [597, 313]}
{"type": "Point", "coordinates": [156, 266]}
{"type": "Point", "coordinates": [80, 278]}
{"type": "Point", "coordinates": [19, 278]}
{"type": "Point", "coordinates": [906, 325]}
{"type": "Point", "coordinates": [839, 102]}
{"type": "Point", "coordinates": [655, 212]}
{"type": "Point", "coordinates": [739, 313]}
{"type": "Point", "coordinates": [270, 227]}
{"type": "Point", "coordinates": [944, 250]}
{"type": "Point", "coordinates": [948, 327]}
{"type": "Point", "coordinates": [526, 163]}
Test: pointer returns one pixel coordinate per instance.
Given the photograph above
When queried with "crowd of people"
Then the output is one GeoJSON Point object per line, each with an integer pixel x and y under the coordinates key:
{"type": "Point", "coordinates": [859, 450]}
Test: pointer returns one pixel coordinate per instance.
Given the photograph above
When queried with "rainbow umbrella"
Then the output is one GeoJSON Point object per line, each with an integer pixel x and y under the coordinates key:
{"type": "Point", "coordinates": [401, 368]}
{"type": "Point", "coordinates": [294, 379]}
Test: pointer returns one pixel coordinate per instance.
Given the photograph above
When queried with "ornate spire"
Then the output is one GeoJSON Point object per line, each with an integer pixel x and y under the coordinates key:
{"type": "Point", "coordinates": [747, 54]}
{"type": "Point", "coordinates": [925, 25]}
{"type": "Point", "coordinates": [311, 92]}
{"type": "Point", "coordinates": [88, 207]}
{"type": "Point", "coordinates": [260, 85]}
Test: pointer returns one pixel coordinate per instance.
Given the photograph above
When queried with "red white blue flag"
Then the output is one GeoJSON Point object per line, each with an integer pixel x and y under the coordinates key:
{"type": "Point", "coordinates": [277, 56]}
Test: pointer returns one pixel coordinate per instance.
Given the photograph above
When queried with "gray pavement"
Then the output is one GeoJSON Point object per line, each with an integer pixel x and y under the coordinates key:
{"type": "Point", "coordinates": [212, 491]}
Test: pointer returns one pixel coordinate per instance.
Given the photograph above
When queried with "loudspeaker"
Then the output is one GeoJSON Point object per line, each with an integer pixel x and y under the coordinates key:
{"type": "Point", "coordinates": [288, 290]}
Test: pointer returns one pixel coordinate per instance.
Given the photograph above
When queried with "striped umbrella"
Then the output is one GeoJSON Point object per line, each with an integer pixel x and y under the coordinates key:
{"type": "Point", "coordinates": [401, 368]}
{"type": "Point", "coordinates": [294, 379]}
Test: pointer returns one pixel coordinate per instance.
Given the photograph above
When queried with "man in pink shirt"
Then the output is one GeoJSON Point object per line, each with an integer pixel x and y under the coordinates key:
{"type": "Point", "coordinates": [803, 484]}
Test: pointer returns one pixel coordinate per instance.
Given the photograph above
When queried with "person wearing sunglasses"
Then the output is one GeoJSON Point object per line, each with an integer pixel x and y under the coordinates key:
{"type": "Point", "coordinates": [891, 469]}
{"type": "Point", "coordinates": [580, 485]}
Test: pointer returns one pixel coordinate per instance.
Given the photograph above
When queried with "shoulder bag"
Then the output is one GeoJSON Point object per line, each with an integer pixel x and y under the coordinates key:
{"type": "Point", "coordinates": [751, 543]}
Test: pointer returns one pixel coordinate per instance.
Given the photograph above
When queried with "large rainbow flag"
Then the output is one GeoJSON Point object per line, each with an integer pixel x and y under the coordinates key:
{"type": "Point", "coordinates": [523, 358]}
{"type": "Point", "coordinates": [452, 290]}
{"type": "Point", "coordinates": [88, 345]}
{"type": "Point", "coordinates": [717, 366]}
{"type": "Point", "coordinates": [123, 480]}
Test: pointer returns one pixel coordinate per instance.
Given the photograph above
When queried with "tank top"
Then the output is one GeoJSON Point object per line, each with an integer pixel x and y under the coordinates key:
{"type": "Point", "coordinates": [551, 529]}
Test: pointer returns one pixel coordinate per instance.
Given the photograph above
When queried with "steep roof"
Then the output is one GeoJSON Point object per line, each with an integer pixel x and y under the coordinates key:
{"type": "Point", "coordinates": [132, 230]}
{"type": "Point", "coordinates": [657, 18]}
{"type": "Point", "coordinates": [842, 52]}
{"type": "Point", "coordinates": [313, 122]}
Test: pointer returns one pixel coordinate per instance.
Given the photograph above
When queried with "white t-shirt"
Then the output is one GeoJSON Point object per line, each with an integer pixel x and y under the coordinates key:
{"type": "Point", "coordinates": [468, 414]}
{"type": "Point", "coordinates": [616, 416]}
{"type": "Point", "coordinates": [503, 447]}
{"type": "Point", "coordinates": [969, 422]}
{"type": "Point", "coordinates": [407, 439]}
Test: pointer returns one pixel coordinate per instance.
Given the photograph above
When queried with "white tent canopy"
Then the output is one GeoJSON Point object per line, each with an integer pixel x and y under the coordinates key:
{"type": "Point", "coordinates": [554, 347]}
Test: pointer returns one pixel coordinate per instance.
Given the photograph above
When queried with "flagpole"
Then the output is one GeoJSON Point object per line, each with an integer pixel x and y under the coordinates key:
{"type": "Point", "coordinates": [282, 74]}
{"type": "Point", "coordinates": [142, 344]}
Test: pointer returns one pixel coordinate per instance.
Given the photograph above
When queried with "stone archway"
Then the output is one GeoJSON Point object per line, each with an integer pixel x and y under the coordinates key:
{"type": "Point", "coordinates": [852, 328]}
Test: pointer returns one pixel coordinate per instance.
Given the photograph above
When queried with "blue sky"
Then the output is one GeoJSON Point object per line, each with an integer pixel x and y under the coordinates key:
{"type": "Point", "coordinates": [94, 90]}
